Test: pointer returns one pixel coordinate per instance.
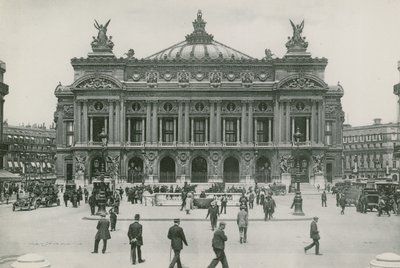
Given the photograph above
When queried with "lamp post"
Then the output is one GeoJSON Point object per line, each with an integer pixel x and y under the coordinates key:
{"type": "Point", "coordinates": [377, 163]}
{"type": "Point", "coordinates": [298, 200]}
{"type": "Point", "coordinates": [101, 198]}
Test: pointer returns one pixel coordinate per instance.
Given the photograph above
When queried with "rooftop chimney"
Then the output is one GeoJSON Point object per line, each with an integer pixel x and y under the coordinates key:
{"type": "Point", "coordinates": [377, 121]}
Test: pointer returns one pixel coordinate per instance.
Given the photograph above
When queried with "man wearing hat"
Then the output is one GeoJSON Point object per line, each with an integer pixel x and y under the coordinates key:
{"type": "Point", "coordinates": [218, 244]}
{"type": "Point", "coordinates": [213, 211]}
{"type": "Point", "coordinates": [242, 222]}
{"type": "Point", "coordinates": [102, 233]}
{"type": "Point", "coordinates": [177, 237]}
{"type": "Point", "coordinates": [314, 235]}
{"type": "Point", "coordinates": [136, 239]}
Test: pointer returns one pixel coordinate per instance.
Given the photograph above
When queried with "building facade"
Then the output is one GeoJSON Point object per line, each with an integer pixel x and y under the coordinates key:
{"type": "Point", "coordinates": [199, 111]}
{"type": "Point", "coordinates": [368, 151]}
{"type": "Point", "coordinates": [32, 151]}
{"type": "Point", "coordinates": [3, 93]}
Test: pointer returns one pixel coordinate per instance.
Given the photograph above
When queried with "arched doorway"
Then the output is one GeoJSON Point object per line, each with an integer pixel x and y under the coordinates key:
{"type": "Point", "coordinates": [263, 170]}
{"type": "Point", "coordinates": [394, 177]}
{"type": "Point", "coordinates": [135, 170]}
{"type": "Point", "coordinates": [97, 166]}
{"type": "Point", "coordinates": [167, 170]}
{"type": "Point", "coordinates": [231, 170]}
{"type": "Point", "coordinates": [300, 168]}
{"type": "Point", "coordinates": [199, 170]}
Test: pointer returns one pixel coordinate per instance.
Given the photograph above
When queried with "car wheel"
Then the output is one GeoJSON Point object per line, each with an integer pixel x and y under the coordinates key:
{"type": "Point", "coordinates": [13, 208]}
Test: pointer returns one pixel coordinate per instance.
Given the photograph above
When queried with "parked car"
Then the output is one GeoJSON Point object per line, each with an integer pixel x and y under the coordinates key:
{"type": "Point", "coordinates": [26, 202]}
{"type": "Point", "coordinates": [49, 196]}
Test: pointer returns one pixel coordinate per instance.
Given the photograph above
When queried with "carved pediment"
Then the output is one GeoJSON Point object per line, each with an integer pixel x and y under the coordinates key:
{"type": "Point", "coordinates": [97, 81]}
{"type": "Point", "coordinates": [302, 81]}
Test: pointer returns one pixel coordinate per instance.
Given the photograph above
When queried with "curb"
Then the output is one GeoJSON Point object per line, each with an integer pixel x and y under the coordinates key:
{"type": "Point", "coordinates": [199, 219]}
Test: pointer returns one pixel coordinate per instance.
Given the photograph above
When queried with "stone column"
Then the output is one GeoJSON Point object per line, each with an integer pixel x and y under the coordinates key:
{"type": "Point", "coordinates": [180, 112]}
{"type": "Point", "coordinates": [79, 122]}
{"type": "Point", "coordinates": [111, 121]}
{"type": "Point", "coordinates": [276, 122]}
{"type": "Point", "coordinates": [287, 131]}
{"type": "Point", "coordinates": [148, 122]}
{"type": "Point", "coordinates": [117, 129]}
{"type": "Point", "coordinates": [85, 122]}
{"type": "Point", "coordinates": [307, 129]}
{"type": "Point", "coordinates": [223, 130]}
{"type": "Point", "coordinates": [91, 129]}
{"type": "Point", "coordinates": [154, 131]}
{"type": "Point", "coordinates": [293, 129]}
{"type": "Point", "coordinates": [212, 121]}
{"type": "Point", "coordinates": [187, 122]}
{"type": "Point", "coordinates": [143, 132]}
{"type": "Point", "coordinates": [106, 127]}
{"type": "Point", "coordinates": [129, 129]}
{"type": "Point", "coordinates": [160, 130]}
{"type": "Point", "coordinates": [174, 129]}
{"type": "Point", "coordinates": [320, 140]}
{"type": "Point", "coordinates": [237, 130]}
{"type": "Point", "coordinates": [218, 133]}
{"type": "Point", "coordinates": [244, 123]}
{"type": "Point", "coordinates": [192, 130]}
{"type": "Point", "coordinates": [313, 140]}
{"type": "Point", "coordinates": [255, 130]}
{"type": "Point", "coordinates": [269, 129]}
{"type": "Point", "coordinates": [250, 124]}
{"type": "Point", "coordinates": [122, 127]}
{"type": "Point", "coordinates": [323, 123]}
{"type": "Point", "coordinates": [206, 123]}
{"type": "Point", "coordinates": [76, 122]}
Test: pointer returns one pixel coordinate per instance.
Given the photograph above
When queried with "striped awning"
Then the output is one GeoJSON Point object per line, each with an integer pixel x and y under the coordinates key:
{"type": "Point", "coordinates": [49, 165]}
{"type": "Point", "coordinates": [16, 164]}
{"type": "Point", "coordinates": [33, 164]}
{"type": "Point", "coordinates": [9, 136]}
{"type": "Point", "coordinates": [10, 164]}
{"type": "Point", "coordinates": [32, 138]}
{"type": "Point", "coordinates": [38, 164]}
{"type": "Point", "coordinates": [27, 138]}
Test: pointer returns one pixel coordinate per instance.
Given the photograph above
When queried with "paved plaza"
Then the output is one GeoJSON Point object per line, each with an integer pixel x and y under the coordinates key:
{"type": "Point", "coordinates": [65, 236]}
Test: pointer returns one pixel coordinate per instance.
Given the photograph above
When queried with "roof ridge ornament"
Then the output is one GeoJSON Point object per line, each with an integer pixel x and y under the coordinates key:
{"type": "Point", "coordinates": [199, 34]}
{"type": "Point", "coordinates": [297, 43]}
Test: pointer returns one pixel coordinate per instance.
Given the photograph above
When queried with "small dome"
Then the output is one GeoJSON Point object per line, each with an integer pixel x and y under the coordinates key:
{"type": "Point", "coordinates": [199, 45]}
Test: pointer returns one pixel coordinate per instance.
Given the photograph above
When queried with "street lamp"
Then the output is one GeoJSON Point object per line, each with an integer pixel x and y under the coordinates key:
{"type": "Point", "coordinates": [101, 196]}
{"type": "Point", "coordinates": [298, 200]}
{"type": "Point", "coordinates": [377, 162]}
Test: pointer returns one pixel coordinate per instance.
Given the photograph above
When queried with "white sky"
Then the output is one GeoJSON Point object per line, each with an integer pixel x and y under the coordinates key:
{"type": "Point", "coordinates": [360, 38]}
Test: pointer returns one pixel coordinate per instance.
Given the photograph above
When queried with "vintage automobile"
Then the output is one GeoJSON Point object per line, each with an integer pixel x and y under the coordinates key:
{"type": "Point", "coordinates": [49, 196]}
{"type": "Point", "coordinates": [26, 202]}
{"type": "Point", "coordinates": [278, 189]}
{"type": "Point", "coordinates": [70, 186]}
{"type": "Point", "coordinates": [386, 187]}
{"type": "Point", "coordinates": [372, 197]}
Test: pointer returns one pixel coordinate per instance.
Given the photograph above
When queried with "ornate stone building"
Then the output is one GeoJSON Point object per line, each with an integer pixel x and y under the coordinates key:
{"type": "Point", "coordinates": [199, 111]}
{"type": "Point", "coordinates": [368, 151]}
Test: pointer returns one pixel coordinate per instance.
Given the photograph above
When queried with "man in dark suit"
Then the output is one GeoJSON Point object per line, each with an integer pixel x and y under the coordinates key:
{"type": "Point", "coordinates": [314, 235]}
{"type": "Point", "coordinates": [218, 244]}
{"type": "Point", "coordinates": [136, 239]}
{"type": "Point", "coordinates": [102, 233]}
{"type": "Point", "coordinates": [177, 237]}
{"type": "Point", "coordinates": [213, 211]}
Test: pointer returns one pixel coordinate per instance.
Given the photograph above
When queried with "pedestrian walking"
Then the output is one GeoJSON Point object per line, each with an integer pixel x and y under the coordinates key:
{"type": "Point", "coordinates": [252, 196]}
{"type": "Point", "coordinates": [177, 237]}
{"type": "Point", "coordinates": [314, 235]}
{"type": "Point", "coordinates": [213, 212]}
{"type": "Point", "coordinates": [342, 203]}
{"type": "Point", "coordinates": [337, 198]}
{"type": "Point", "coordinates": [269, 208]}
{"type": "Point", "coordinates": [382, 206]}
{"type": "Point", "coordinates": [242, 221]}
{"type": "Point", "coordinates": [188, 203]}
{"type": "Point", "coordinates": [65, 198]}
{"type": "Point", "coordinates": [113, 219]}
{"type": "Point", "coordinates": [136, 240]}
{"type": "Point", "coordinates": [86, 193]}
{"type": "Point", "coordinates": [323, 198]}
{"type": "Point", "coordinates": [102, 233]}
{"type": "Point", "coordinates": [92, 203]}
{"type": "Point", "coordinates": [318, 187]}
{"type": "Point", "coordinates": [224, 202]}
{"type": "Point", "coordinates": [183, 197]}
{"type": "Point", "coordinates": [218, 245]}
{"type": "Point", "coordinates": [243, 200]}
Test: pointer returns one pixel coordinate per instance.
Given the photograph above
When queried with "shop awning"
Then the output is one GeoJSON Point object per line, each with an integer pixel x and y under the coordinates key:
{"type": "Point", "coordinates": [21, 165]}
{"type": "Point", "coordinates": [32, 138]}
{"type": "Point", "coordinates": [44, 165]}
{"type": "Point", "coordinates": [48, 139]}
{"type": "Point", "coordinates": [16, 164]}
{"type": "Point", "coordinates": [21, 137]}
{"type": "Point", "coordinates": [10, 164]}
{"type": "Point", "coordinates": [49, 165]}
{"type": "Point", "coordinates": [33, 164]}
{"type": "Point", "coordinates": [38, 164]}
{"type": "Point", "coordinates": [27, 138]}
{"type": "Point", "coordinates": [15, 137]}
{"type": "Point", "coordinates": [8, 176]}
{"type": "Point", "coordinates": [9, 136]}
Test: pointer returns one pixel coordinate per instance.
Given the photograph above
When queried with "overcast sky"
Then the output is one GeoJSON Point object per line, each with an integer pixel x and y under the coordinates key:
{"type": "Point", "coordinates": [360, 39]}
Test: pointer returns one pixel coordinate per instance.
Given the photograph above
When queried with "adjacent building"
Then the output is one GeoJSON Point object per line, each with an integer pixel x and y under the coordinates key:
{"type": "Point", "coordinates": [199, 111]}
{"type": "Point", "coordinates": [368, 151]}
{"type": "Point", "coordinates": [32, 151]}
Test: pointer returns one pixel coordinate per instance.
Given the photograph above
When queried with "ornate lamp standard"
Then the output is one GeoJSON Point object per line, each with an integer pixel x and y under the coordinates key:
{"type": "Point", "coordinates": [298, 200]}
{"type": "Point", "coordinates": [101, 198]}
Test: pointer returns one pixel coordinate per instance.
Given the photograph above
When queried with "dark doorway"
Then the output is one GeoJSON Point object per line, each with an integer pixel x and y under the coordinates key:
{"type": "Point", "coordinates": [135, 170]}
{"type": "Point", "coordinates": [231, 170]}
{"type": "Point", "coordinates": [69, 172]}
{"type": "Point", "coordinates": [167, 170]}
{"type": "Point", "coordinates": [263, 170]}
{"type": "Point", "coordinates": [199, 170]}
{"type": "Point", "coordinates": [329, 172]}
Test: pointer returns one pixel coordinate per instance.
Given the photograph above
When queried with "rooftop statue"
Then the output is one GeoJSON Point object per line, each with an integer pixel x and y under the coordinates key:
{"type": "Point", "coordinates": [297, 43]}
{"type": "Point", "coordinates": [102, 42]}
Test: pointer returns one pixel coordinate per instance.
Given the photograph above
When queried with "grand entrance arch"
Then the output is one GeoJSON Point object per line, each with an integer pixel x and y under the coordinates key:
{"type": "Point", "coordinates": [135, 170]}
{"type": "Point", "coordinates": [167, 170]}
{"type": "Point", "coordinates": [231, 170]}
{"type": "Point", "coordinates": [263, 170]}
{"type": "Point", "coordinates": [199, 170]}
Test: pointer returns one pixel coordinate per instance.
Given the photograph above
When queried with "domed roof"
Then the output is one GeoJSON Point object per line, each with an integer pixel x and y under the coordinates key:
{"type": "Point", "coordinates": [199, 45]}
